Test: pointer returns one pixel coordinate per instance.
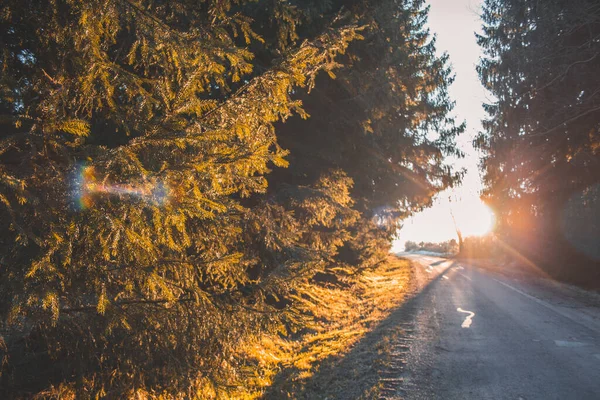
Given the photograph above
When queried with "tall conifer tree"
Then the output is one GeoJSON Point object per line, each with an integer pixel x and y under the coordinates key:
{"type": "Point", "coordinates": [542, 137]}
{"type": "Point", "coordinates": [144, 242]}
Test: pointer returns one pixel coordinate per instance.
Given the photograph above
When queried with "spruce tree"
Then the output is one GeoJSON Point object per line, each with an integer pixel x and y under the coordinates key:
{"type": "Point", "coordinates": [154, 223]}
{"type": "Point", "coordinates": [385, 121]}
{"type": "Point", "coordinates": [541, 138]}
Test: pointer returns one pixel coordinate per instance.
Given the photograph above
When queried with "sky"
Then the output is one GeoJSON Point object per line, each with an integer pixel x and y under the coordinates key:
{"type": "Point", "coordinates": [454, 22]}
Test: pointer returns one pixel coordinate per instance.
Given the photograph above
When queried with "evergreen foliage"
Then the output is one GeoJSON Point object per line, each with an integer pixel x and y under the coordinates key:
{"type": "Point", "coordinates": [374, 122]}
{"type": "Point", "coordinates": [542, 137]}
{"type": "Point", "coordinates": [158, 212]}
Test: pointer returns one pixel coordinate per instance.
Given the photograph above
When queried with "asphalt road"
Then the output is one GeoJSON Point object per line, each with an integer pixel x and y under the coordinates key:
{"type": "Point", "coordinates": [480, 335]}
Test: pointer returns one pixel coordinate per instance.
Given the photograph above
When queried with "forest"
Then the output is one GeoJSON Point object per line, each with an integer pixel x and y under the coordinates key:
{"type": "Point", "coordinates": [174, 173]}
{"type": "Point", "coordinates": [178, 179]}
{"type": "Point", "coordinates": [541, 140]}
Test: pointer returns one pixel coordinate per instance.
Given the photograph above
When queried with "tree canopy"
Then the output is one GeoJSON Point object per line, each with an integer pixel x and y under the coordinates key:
{"type": "Point", "coordinates": [171, 171]}
{"type": "Point", "coordinates": [541, 139]}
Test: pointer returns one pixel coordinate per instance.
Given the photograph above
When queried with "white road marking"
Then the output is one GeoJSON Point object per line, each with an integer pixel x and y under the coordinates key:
{"type": "Point", "coordinates": [466, 277]}
{"type": "Point", "coordinates": [579, 319]}
{"type": "Point", "coordinates": [530, 297]}
{"type": "Point", "coordinates": [445, 277]}
{"type": "Point", "coordinates": [468, 320]}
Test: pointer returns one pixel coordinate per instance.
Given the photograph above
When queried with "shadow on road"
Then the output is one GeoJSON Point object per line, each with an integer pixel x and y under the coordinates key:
{"type": "Point", "coordinates": [372, 368]}
{"type": "Point", "coordinates": [438, 263]}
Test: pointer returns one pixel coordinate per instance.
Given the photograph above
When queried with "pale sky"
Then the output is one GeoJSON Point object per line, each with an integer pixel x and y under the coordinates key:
{"type": "Point", "coordinates": [454, 22]}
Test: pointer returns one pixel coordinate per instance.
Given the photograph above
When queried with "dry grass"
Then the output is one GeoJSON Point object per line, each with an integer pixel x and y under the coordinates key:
{"type": "Point", "coordinates": [309, 366]}
{"type": "Point", "coordinates": [338, 355]}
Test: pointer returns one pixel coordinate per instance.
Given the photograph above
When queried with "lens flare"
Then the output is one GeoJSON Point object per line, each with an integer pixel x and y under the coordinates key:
{"type": "Point", "coordinates": [87, 187]}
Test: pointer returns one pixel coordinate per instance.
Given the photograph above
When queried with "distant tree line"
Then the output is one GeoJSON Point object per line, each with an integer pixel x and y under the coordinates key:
{"type": "Point", "coordinates": [172, 172]}
{"type": "Point", "coordinates": [485, 247]}
{"type": "Point", "coordinates": [447, 247]}
{"type": "Point", "coordinates": [541, 139]}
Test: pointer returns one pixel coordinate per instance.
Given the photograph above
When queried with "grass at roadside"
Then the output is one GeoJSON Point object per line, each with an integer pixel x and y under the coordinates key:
{"type": "Point", "coordinates": [342, 317]}
{"type": "Point", "coordinates": [345, 340]}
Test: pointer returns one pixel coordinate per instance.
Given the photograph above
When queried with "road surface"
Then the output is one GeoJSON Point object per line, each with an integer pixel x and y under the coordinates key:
{"type": "Point", "coordinates": [480, 335]}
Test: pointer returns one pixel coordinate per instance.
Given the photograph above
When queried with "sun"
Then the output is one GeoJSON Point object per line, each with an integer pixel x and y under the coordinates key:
{"type": "Point", "coordinates": [436, 225]}
{"type": "Point", "coordinates": [475, 219]}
